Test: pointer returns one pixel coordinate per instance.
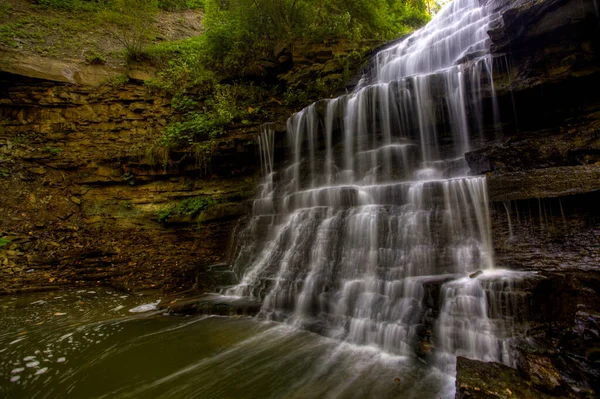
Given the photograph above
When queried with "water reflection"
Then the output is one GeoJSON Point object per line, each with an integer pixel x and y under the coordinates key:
{"type": "Point", "coordinates": [84, 345]}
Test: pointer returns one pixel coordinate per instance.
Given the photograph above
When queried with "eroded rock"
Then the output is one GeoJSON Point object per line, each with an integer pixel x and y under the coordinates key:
{"type": "Point", "coordinates": [481, 380]}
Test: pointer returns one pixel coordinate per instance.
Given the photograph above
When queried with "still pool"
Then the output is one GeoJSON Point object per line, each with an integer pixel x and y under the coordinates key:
{"type": "Point", "coordinates": [88, 344]}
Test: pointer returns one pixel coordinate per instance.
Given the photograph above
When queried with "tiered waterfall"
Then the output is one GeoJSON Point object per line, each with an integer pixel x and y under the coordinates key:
{"type": "Point", "coordinates": [375, 209]}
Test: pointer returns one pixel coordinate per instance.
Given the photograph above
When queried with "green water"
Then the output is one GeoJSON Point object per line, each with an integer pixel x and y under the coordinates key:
{"type": "Point", "coordinates": [87, 344]}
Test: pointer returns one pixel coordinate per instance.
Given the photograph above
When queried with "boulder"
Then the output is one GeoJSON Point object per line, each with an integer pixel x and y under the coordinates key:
{"type": "Point", "coordinates": [481, 380]}
{"type": "Point", "coordinates": [211, 304]}
{"type": "Point", "coordinates": [540, 371]}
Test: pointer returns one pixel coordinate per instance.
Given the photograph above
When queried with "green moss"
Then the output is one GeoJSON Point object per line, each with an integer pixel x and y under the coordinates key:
{"type": "Point", "coordinates": [189, 207]}
{"type": "Point", "coordinates": [193, 206]}
{"type": "Point", "coordinates": [95, 58]}
{"type": "Point", "coordinates": [52, 150]}
{"type": "Point", "coordinates": [118, 81]}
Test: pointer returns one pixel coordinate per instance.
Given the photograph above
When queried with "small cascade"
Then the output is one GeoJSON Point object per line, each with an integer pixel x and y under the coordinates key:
{"type": "Point", "coordinates": [480, 316]}
{"type": "Point", "coordinates": [375, 206]}
{"type": "Point", "coordinates": [251, 239]}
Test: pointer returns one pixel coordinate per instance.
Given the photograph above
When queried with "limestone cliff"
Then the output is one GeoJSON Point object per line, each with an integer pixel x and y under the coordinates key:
{"type": "Point", "coordinates": [541, 159]}
{"type": "Point", "coordinates": [88, 197]}
{"type": "Point", "coordinates": [82, 189]}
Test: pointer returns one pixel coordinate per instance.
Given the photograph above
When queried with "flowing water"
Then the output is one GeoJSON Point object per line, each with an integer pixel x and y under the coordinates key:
{"type": "Point", "coordinates": [374, 217]}
{"type": "Point", "coordinates": [370, 250]}
{"type": "Point", "coordinates": [90, 345]}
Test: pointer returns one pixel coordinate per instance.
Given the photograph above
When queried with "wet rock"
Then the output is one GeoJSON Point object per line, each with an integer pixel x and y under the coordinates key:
{"type": "Point", "coordinates": [38, 171]}
{"type": "Point", "coordinates": [481, 380]}
{"type": "Point", "coordinates": [544, 183]}
{"type": "Point", "coordinates": [540, 371]}
{"type": "Point", "coordinates": [212, 304]}
{"type": "Point", "coordinates": [476, 274]}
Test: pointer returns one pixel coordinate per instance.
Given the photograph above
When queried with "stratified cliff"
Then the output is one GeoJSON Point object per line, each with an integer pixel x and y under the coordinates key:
{"type": "Point", "coordinates": [542, 162]}
{"type": "Point", "coordinates": [88, 195]}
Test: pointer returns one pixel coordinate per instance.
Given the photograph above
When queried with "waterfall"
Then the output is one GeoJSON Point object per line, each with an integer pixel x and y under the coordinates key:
{"type": "Point", "coordinates": [375, 206]}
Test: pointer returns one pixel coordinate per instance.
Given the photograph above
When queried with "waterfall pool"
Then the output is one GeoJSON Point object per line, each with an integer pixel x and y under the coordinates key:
{"type": "Point", "coordinates": [87, 344]}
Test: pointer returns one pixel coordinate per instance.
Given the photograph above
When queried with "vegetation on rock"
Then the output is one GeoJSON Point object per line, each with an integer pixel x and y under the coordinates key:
{"type": "Point", "coordinates": [223, 78]}
{"type": "Point", "coordinates": [178, 148]}
{"type": "Point", "coordinates": [189, 207]}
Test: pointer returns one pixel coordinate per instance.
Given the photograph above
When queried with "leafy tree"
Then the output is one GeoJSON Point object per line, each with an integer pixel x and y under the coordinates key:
{"type": "Point", "coordinates": [242, 31]}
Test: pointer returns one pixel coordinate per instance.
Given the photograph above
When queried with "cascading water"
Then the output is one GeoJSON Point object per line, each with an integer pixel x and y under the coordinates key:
{"type": "Point", "coordinates": [376, 206]}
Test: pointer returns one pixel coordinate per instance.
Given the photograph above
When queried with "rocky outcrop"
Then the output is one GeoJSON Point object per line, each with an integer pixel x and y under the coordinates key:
{"type": "Point", "coordinates": [541, 159]}
{"type": "Point", "coordinates": [546, 58]}
{"type": "Point", "coordinates": [544, 183]}
{"type": "Point", "coordinates": [327, 68]}
{"type": "Point", "coordinates": [76, 72]}
{"type": "Point", "coordinates": [475, 380]}
{"type": "Point", "coordinates": [90, 198]}
{"type": "Point", "coordinates": [84, 187]}
{"type": "Point", "coordinates": [211, 304]}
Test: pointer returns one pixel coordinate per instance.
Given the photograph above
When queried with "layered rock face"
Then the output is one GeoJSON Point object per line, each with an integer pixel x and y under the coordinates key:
{"type": "Point", "coordinates": [83, 190]}
{"type": "Point", "coordinates": [541, 159]}
{"type": "Point", "coordinates": [88, 197]}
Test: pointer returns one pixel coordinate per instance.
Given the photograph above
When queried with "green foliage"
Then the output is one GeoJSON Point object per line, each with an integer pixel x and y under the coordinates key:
{"type": "Point", "coordinates": [188, 207]}
{"type": "Point", "coordinates": [12, 34]}
{"type": "Point", "coordinates": [242, 32]}
{"type": "Point", "coordinates": [182, 103]}
{"type": "Point", "coordinates": [175, 5]}
{"type": "Point", "coordinates": [52, 150]}
{"type": "Point", "coordinates": [8, 33]}
{"type": "Point", "coordinates": [183, 66]}
{"type": "Point", "coordinates": [118, 81]}
{"type": "Point", "coordinates": [197, 123]}
{"type": "Point", "coordinates": [130, 22]}
{"type": "Point", "coordinates": [5, 9]}
{"type": "Point", "coordinates": [164, 214]}
{"type": "Point", "coordinates": [196, 127]}
{"type": "Point", "coordinates": [238, 27]}
{"type": "Point", "coordinates": [4, 242]}
{"type": "Point", "coordinates": [95, 58]}
{"type": "Point", "coordinates": [193, 206]}
{"type": "Point", "coordinates": [294, 97]}
{"type": "Point", "coordinates": [76, 5]}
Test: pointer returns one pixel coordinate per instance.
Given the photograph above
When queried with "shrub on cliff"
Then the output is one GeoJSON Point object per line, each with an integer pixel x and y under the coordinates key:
{"type": "Point", "coordinates": [130, 22]}
{"type": "Point", "coordinates": [76, 5]}
{"type": "Point", "coordinates": [96, 5]}
{"type": "Point", "coordinates": [173, 5]}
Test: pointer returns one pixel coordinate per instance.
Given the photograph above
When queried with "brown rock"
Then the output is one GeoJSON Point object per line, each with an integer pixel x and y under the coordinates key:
{"type": "Point", "coordinates": [38, 171]}
{"type": "Point", "coordinates": [544, 183]}
{"type": "Point", "coordinates": [540, 371]}
{"type": "Point", "coordinates": [481, 380]}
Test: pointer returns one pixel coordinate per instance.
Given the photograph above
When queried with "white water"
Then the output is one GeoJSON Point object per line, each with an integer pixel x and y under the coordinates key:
{"type": "Point", "coordinates": [375, 211]}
